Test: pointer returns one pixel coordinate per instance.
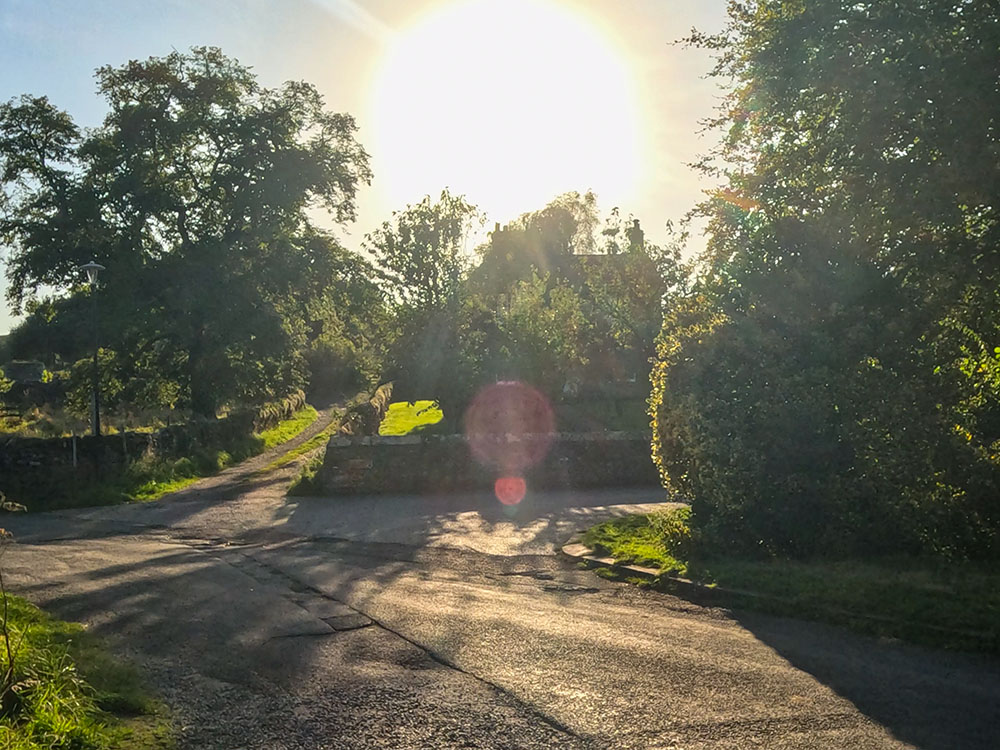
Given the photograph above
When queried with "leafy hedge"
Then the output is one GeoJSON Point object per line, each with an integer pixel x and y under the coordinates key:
{"type": "Point", "coordinates": [829, 383]}
{"type": "Point", "coordinates": [796, 431]}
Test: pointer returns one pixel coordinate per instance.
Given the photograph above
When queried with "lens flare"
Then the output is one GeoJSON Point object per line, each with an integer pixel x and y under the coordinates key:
{"type": "Point", "coordinates": [510, 490]}
{"type": "Point", "coordinates": [509, 427]}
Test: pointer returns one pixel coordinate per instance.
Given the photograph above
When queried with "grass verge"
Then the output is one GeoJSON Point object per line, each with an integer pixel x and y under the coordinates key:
{"type": "Point", "coordinates": [946, 606]}
{"type": "Point", "coordinates": [404, 417]}
{"type": "Point", "coordinates": [307, 483]}
{"type": "Point", "coordinates": [316, 441]}
{"type": "Point", "coordinates": [70, 693]}
{"type": "Point", "coordinates": [285, 431]}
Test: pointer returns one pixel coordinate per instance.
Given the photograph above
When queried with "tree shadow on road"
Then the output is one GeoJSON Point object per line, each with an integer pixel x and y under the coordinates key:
{"type": "Point", "coordinates": [911, 691]}
{"type": "Point", "coordinates": [468, 520]}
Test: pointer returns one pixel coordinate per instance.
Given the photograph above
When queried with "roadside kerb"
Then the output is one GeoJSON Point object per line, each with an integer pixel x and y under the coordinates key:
{"type": "Point", "coordinates": [580, 552]}
{"type": "Point", "coordinates": [583, 553]}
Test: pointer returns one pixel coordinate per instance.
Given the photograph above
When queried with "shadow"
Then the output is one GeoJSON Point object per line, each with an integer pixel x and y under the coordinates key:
{"type": "Point", "coordinates": [930, 699]}
{"type": "Point", "coordinates": [539, 524]}
{"type": "Point", "coordinates": [233, 617]}
{"type": "Point", "coordinates": [464, 557]}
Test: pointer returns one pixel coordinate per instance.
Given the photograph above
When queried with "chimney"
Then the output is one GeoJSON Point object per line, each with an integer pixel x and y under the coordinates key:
{"type": "Point", "coordinates": [636, 237]}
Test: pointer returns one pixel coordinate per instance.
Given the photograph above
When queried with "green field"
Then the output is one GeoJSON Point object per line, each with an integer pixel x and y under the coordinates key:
{"type": "Point", "coordinates": [404, 417]}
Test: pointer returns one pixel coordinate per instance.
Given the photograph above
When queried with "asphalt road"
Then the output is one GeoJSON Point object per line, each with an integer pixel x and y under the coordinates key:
{"type": "Point", "coordinates": [450, 622]}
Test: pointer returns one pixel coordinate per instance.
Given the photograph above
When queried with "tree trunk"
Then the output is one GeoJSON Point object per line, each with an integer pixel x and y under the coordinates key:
{"type": "Point", "coordinates": [203, 385]}
{"type": "Point", "coordinates": [202, 399]}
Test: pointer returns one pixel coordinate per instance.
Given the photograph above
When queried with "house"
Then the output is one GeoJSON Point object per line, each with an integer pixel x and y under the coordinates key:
{"type": "Point", "coordinates": [24, 371]}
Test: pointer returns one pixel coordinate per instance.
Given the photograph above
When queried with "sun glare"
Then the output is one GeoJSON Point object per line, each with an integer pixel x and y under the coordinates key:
{"type": "Point", "coordinates": [510, 102]}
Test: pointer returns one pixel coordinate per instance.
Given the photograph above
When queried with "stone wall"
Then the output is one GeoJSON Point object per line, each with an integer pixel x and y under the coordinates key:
{"type": "Point", "coordinates": [34, 471]}
{"type": "Point", "coordinates": [444, 463]}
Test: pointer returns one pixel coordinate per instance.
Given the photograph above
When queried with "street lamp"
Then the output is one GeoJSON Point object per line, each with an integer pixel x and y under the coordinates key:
{"type": "Point", "coordinates": [93, 269]}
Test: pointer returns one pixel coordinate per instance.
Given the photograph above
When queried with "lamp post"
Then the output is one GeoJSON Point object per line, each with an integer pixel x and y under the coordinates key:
{"type": "Point", "coordinates": [93, 268]}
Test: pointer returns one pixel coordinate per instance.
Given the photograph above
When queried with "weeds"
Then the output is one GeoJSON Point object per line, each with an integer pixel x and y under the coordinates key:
{"type": "Point", "coordinates": [307, 482]}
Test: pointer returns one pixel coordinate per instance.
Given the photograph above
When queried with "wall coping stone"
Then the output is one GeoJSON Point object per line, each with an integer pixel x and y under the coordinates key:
{"type": "Point", "coordinates": [342, 441]}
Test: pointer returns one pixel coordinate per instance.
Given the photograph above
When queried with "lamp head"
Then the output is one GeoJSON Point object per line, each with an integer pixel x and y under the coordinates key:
{"type": "Point", "coordinates": [93, 268]}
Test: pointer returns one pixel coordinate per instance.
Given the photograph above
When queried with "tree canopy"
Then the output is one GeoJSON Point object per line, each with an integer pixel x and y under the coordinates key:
{"type": "Point", "coordinates": [195, 193]}
{"type": "Point", "coordinates": [546, 303]}
{"type": "Point", "coordinates": [422, 252]}
{"type": "Point", "coordinates": [829, 383]}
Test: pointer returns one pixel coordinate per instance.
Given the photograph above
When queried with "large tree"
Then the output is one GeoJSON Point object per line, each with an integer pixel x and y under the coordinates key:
{"type": "Point", "coordinates": [830, 385]}
{"type": "Point", "coordinates": [196, 192]}
{"type": "Point", "coordinates": [422, 257]}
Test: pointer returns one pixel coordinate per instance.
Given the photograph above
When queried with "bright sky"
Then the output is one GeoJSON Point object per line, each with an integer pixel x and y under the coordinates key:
{"type": "Point", "coordinates": [510, 102]}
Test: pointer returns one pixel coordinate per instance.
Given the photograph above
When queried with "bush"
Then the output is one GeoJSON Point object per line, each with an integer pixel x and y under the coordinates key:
{"type": "Point", "coordinates": [184, 467]}
{"type": "Point", "coordinates": [797, 422]}
{"type": "Point", "coordinates": [674, 529]}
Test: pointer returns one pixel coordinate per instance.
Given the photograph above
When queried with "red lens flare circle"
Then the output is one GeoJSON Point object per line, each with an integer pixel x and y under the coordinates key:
{"type": "Point", "coordinates": [509, 427]}
{"type": "Point", "coordinates": [510, 490]}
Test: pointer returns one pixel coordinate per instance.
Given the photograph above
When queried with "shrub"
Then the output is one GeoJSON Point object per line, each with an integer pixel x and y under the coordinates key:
{"type": "Point", "coordinates": [797, 422]}
{"type": "Point", "coordinates": [674, 528]}
{"type": "Point", "coordinates": [184, 467]}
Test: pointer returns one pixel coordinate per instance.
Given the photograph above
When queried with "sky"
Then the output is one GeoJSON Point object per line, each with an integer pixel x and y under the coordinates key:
{"type": "Point", "coordinates": [509, 102]}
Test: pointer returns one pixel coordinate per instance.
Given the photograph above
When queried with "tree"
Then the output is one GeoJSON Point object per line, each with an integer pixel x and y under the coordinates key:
{"type": "Point", "coordinates": [541, 242]}
{"type": "Point", "coordinates": [195, 192]}
{"type": "Point", "coordinates": [422, 252]}
{"type": "Point", "coordinates": [349, 329]}
{"type": "Point", "coordinates": [80, 384]}
{"type": "Point", "coordinates": [828, 384]}
{"type": "Point", "coordinates": [882, 116]}
{"type": "Point", "coordinates": [545, 334]}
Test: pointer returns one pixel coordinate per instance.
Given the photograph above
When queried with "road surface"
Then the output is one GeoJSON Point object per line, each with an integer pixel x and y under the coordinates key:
{"type": "Point", "coordinates": [450, 622]}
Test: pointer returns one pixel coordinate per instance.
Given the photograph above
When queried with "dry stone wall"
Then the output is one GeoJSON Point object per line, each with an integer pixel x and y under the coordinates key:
{"type": "Point", "coordinates": [444, 463]}
{"type": "Point", "coordinates": [36, 471]}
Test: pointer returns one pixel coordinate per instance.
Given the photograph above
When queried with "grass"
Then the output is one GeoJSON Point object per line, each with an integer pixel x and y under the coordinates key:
{"type": "Point", "coordinates": [153, 489]}
{"type": "Point", "coordinates": [634, 539]}
{"type": "Point", "coordinates": [286, 430]}
{"type": "Point", "coordinates": [307, 483]}
{"type": "Point", "coordinates": [404, 417]}
{"type": "Point", "coordinates": [316, 441]}
{"type": "Point", "coordinates": [72, 693]}
{"type": "Point", "coordinates": [949, 606]}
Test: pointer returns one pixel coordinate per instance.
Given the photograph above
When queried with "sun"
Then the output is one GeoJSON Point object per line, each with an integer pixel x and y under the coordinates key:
{"type": "Point", "coordinates": [510, 102]}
